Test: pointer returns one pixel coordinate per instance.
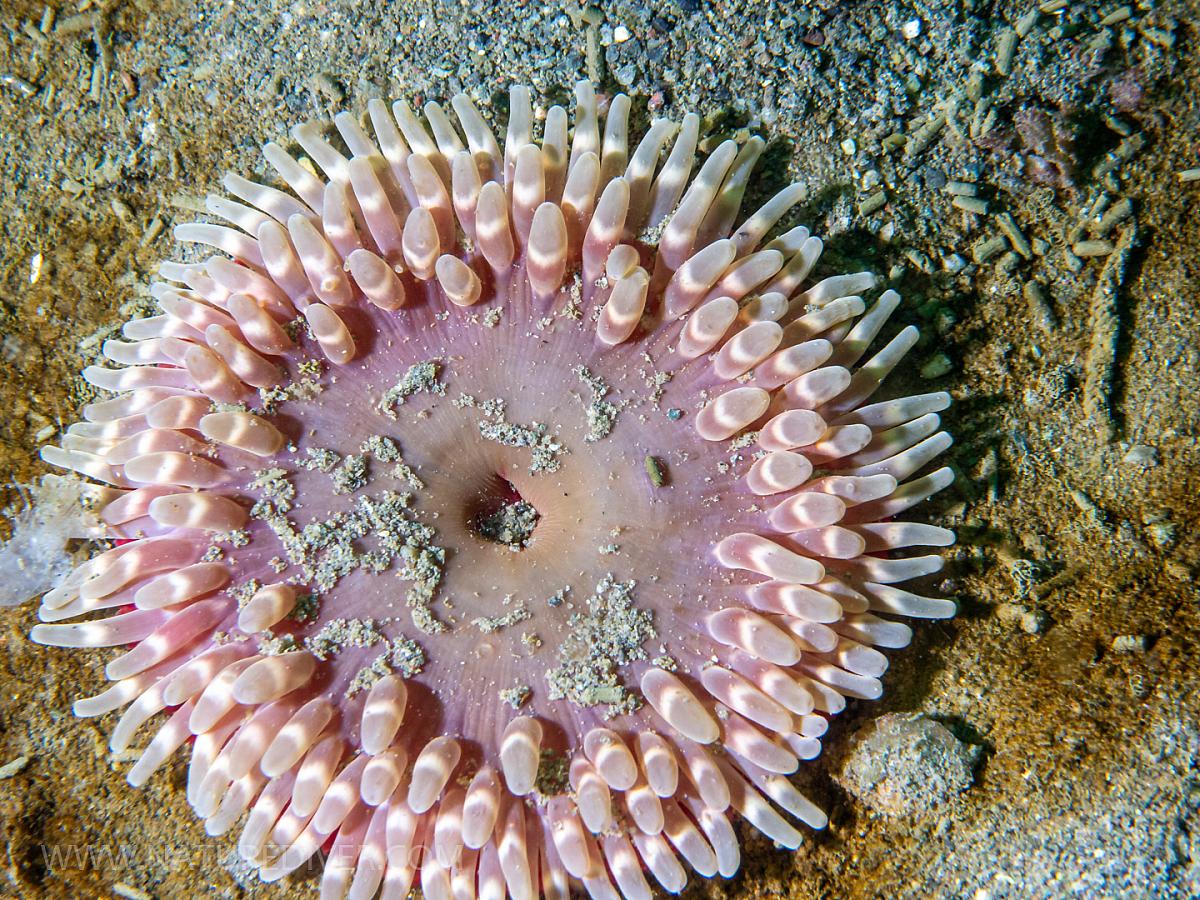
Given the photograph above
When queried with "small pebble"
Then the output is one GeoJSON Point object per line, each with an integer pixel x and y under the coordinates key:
{"type": "Point", "coordinates": [1142, 455]}
{"type": "Point", "coordinates": [953, 263]}
{"type": "Point", "coordinates": [1034, 621]}
{"type": "Point", "coordinates": [1026, 22]}
{"type": "Point", "coordinates": [1162, 37]}
{"type": "Point", "coordinates": [1164, 534]}
{"type": "Point", "coordinates": [872, 204]}
{"type": "Point", "coordinates": [919, 259]}
{"type": "Point", "coordinates": [18, 84]}
{"type": "Point", "coordinates": [976, 82]}
{"type": "Point", "coordinates": [1117, 213]}
{"type": "Point", "coordinates": [656, 470]}
{"type": "Point", "coordinates": [936, 366]}
{"type": "Point", "coordinates": [971, 205]}
{"type": "Point", "coordinates": [906, 764]}
{"type": "Point", "coordinates": [1006, 46]}
{"type": "Point", "coordinates": [1086, 249]}
{"type": "Point", "coordinates": [1012, 231]}
{"type": "Point", "coordinates": [1083, 501]}
{"type": "Point", "coordinates": [985, 250]}
{"type": "Point", "coordinates": [1039, 305]}
{"type": "Point", "coordinates": [935, 179]}
{"type": "Point", "coordinates": [1131, 643]}
{"type": "Point", "coordinates": [1118, 15]}
{"type": "Point", "coordinates": [15, 767]}
{"type": "Point", "coordinates": [1008, 263]}
{"type": "Point", "coordinates": [1118, 125]}
{"type": "Point", "coordinates": [1030, 621]}
{"type": "Point", "coordinates": [944, 319]}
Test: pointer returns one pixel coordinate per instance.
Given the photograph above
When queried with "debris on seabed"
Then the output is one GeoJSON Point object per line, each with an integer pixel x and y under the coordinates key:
{"type": "Point", "coordinates": [53, 512]}
{"type": "Point", "coordinates": [1100, 366]}
{"type": "Point", "coordinates": [1088, 249]}
{"type": "Point", "coordinates": [1029, 620]}
{"type": "Point", "coordinates": [601, 414]}
{"type": "Point", "coordinates": [423, 377]}
{"type": "Point", "coordinates": [971, 204]}
{"type": "Point", "coordinates": [906, 764]}
{"type": "Point", "coordinates": [1062, 579]}
{"type": "Point", "coordinates": [1124, 152]}
{"type": "Point", "coordinates": [1006, 48]}
{"type": "Point", "coordinates": [1116, 214]}
{"type": "Point", "coordinates": [1088, 507]}
{"type": "Point", "coordinates": [1008, 225]}
{"type": "Point", "coordinates": [84, 21]}
{"type": "Point", "coordinates": [985, 250]}
{"type": "Point", "coordinates": [18, 84]}
{"type": "Point", "coordinates": [1141, 455]}
{"type": "Point", "coordinates": [923, 136]}
{"type": "Point", "coordinates": [1131, 643]}
{"type": "Point", "coordinates": [656, 469]}
{"type": "Point", "coordinates": [936, 366]}
{"type": "Point", "coordinates": [516, 697]}
{"type": "Point", "coordinates": [15, 767]}
{"type": "Point", "coordinates": [1039, 307]}
{"type": "Point", "coordinates": [872, 204]}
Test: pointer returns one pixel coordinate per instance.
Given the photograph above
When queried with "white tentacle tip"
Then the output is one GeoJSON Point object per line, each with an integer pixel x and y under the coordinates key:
{"type": "Point", "coordinates": [679, 707]}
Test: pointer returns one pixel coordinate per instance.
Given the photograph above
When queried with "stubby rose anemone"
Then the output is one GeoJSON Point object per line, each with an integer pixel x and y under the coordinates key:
{"type": "Point", "coordinates": [495, 518]}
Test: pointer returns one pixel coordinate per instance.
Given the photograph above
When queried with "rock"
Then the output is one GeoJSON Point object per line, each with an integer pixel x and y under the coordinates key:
{"type": "Point", "coordinates": [953, 263]}
{"type": "Point", "coordinates": [1142, 455]}
{"type": "Point", "coordinates": [1131, 643]}
{"type": "Point", "coordinates": [1029, 620]}
{"type": "Point", "coordinates": [936, 366]}
{"type": "Point", "coordinates": [905, 764]}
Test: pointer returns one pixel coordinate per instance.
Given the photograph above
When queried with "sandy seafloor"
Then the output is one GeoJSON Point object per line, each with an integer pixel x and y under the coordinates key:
{"type": "Point", "coordinates": [1073, 663]}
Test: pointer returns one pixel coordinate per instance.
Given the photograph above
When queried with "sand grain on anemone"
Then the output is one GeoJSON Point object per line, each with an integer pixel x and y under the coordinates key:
{"type": "Point", "coordinates": [500, 517]}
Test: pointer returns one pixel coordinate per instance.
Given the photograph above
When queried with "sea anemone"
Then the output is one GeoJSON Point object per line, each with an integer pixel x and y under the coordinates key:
{"type": "Point", "coordinates": [493, 518]}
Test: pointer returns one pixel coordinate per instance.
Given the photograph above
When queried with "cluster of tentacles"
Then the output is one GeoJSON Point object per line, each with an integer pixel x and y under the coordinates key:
{"type": "Point", "coordinates": [424, 223]}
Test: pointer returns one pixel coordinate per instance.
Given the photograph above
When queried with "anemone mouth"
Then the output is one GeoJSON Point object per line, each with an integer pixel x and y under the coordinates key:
{"type": "Point", "coordinates": [503, 516]}
{"type": "Point", "coordinates": [509, 518]}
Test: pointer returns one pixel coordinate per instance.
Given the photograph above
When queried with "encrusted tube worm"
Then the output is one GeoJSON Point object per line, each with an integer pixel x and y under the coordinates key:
{"type": "Point", "coordinates": [504, 517]}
